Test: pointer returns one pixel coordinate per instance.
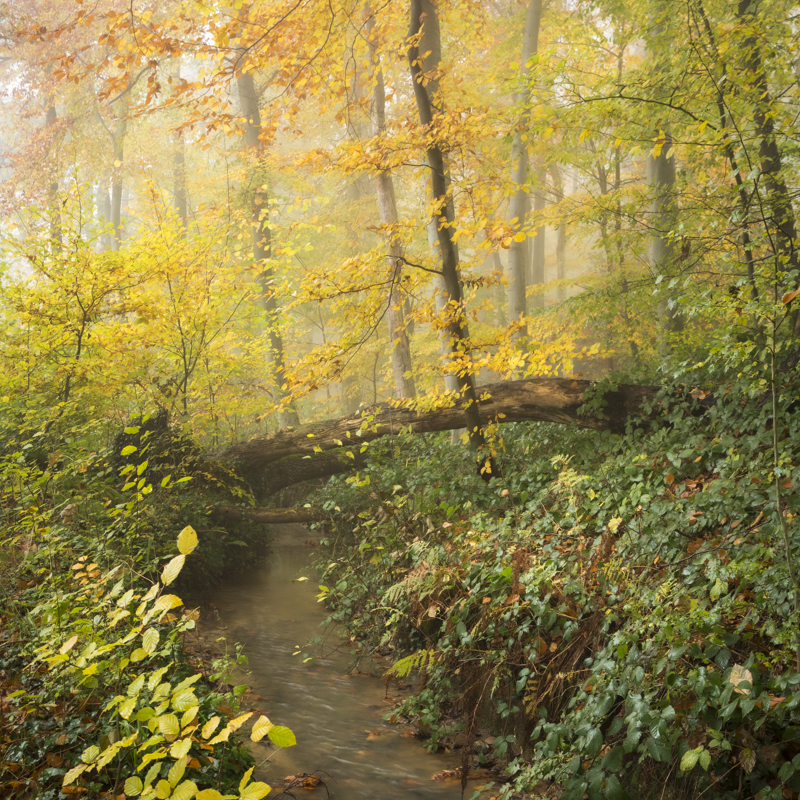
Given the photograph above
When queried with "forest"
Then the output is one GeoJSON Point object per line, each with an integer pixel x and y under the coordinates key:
{"type": "Point", "coordinates": [498, 297]}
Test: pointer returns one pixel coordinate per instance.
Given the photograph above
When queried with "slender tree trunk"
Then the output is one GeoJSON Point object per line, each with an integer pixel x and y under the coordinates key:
{"type": "Point", "coordinates": [517, 260]}
{"type": "Point", "coordinates": [661, 181]}
{"type": "Point", "coordinates": [56, 235]}
{"type": "Point", "coordinates": [262, 242]}
{"type": "Point", "coordinates": [400, 345]}
{"type": "Point", "coordinates": [423, 12]}
{"type": "Point", "coordinates": [779, 217]}
{"type": "Point", "coordinates": [561, 236]}
{"type": "Point", "coordinates": [179, 161]}
{"type": "Point", "coordinates": [537, 262]}
{"type": "Point", "coordinates": [120, 132]}
{"type": "Point", "coordinates": [431, 51]}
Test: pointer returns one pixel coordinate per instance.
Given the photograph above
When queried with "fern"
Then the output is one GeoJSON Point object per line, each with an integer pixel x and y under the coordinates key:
{"type": "Point", "coordinates": [405, 666]}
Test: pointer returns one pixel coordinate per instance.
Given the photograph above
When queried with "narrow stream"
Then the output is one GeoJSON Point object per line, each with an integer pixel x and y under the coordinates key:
{"type": "Point", "coordinates": [337, 718]}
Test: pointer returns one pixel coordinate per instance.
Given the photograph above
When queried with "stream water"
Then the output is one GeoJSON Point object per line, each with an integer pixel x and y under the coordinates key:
{"type": "Point", "coordinates": [336, 717]}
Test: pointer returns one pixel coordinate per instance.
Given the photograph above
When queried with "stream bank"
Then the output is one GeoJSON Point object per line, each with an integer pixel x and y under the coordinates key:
{"type": "Point", "coordinates": [337, 717]}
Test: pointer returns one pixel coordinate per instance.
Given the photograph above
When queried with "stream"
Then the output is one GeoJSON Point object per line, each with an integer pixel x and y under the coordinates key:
{"type": "Point", "coordinates": [337, 718]}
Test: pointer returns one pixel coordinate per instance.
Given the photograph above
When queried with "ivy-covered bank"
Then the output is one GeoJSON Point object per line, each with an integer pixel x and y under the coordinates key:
{"type": "Point", "coordinates": [97, 696]}
{"type": "Point", "coordinates": [620, 613]}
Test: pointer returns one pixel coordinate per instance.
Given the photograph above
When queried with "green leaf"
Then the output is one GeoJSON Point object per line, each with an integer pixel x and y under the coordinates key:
{"type": "Point", "coordinates": [705, 759]}
{"type": "Point", "coordinates": [136, 686]}
{"type": "Point", "coordinates": [126, 451]}
{"type": "Point", "coordinates": [163, 790]}
{"type": "Point", "coordinates": [594, 742]}
{"type": "Point", "coordinates": [131, 431]}
{"type": "Point", "coordinates": [90, 754]}
{"type": "Point", "coordinates": [690, 759]}
{"type": "Point", "coordinates": [281, 736]}
{"type": "Point", "coordinates": [172, 570]}
{"type": "Point", "coordinates": [612, 789]}
{"type": "Point", "coordinates": [187, 540]}
{"type": "Point", "coordinates": [612, 760]}
{"type": "Point", "coordinates": [209, 794]}
{"type": "Point", "coordinates": [133, 786]}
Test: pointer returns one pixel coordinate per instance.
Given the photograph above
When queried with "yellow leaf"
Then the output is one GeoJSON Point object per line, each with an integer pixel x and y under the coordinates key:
{"type": "Point", "coordinates": [261, 728]}
{"type": "Point", "coordinates": [172, 569]}
{"type": "Point", "coordinates": [187, 540]}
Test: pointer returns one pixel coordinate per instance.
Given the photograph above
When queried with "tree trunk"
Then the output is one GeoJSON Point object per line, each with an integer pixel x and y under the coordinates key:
{"type": "Point", "coordinates": [777, 211]}
{"type": "Point", "coordinates": [537, 262]}
{"type": "Point", "coordinates": [318, 450]}
{"type": "Point", "coordinates": [262, 243]}
{"type": "Point", "coordinates": [56, 235]}
{"type": "Point", "coordinates": [561, 237]}
{"type": "Point", "coordinates": [661, 181]}
{"type": "Point", "coordinates": [179, 161]}
{"type": "Point", "coordinates": [517, 261]}
{"type": "Point", "coordinates": [400, 345]}
{"type": "Point", "coordinates": [456, 321]}
{"type": "Point", "coordinates": [116, 174]}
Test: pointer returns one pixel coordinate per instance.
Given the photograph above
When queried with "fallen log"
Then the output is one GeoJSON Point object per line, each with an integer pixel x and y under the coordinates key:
{"type": "Point", "coordinates": [267, 515]}
{"type": "Point", "coordinates": [321, 449]}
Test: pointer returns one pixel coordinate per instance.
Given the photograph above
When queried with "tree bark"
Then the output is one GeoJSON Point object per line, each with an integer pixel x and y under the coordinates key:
{"type": "Point", "coordinates": [561, 236]}
{"type": "Point", "coordinates": [56, 235]}
{"type": "Point", "coordinates": [262, 242]}
{"type": "Point", "coordinates": [179, 162]}
{"type": "Point", "coordinates": [400, 346]}
{"type": "Point", "coordinates": [321, 449]}
{"type": "Point", "coordinates": [120, 132]}
{"type": "Point", "coordinates": [456, 321]}
{"type": "Point", "coordinates": [537, 262]}
{"type": "Point", "coordinates": [517, 267]}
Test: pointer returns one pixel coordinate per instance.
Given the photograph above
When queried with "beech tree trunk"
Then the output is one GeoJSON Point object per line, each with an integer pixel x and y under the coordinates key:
{"type": "Point", "coordinates": [262, 241]}
{"type": "Point", "coordinates": [561, 236]}
{"type": "Point", "coordinates": [400, 345]}
{"type": "Point", "coordinates": [517, 267]}
{"type": "Point", "coordinates": [116, 173]}
{"type": "Point", "coordinates": [537, 262]}
{"type": "Point", "coordinates": [179, 161]}
{"type": "Point", "coordinates": [456, 320]}
{"type": "Point", "coordinates": [320, 449]}
{"type": "Point", "coordinates": [51, 122]}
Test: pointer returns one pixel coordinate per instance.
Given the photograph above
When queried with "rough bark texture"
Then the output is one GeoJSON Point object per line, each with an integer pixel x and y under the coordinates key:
{"type": "Point", "coordinates": [423, 12]}
{"type": "Point", "coordinates": [320, 449]}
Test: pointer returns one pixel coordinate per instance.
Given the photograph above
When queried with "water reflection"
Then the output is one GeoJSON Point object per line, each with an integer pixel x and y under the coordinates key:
{"type": "Point", "coordinates": [338, 719]}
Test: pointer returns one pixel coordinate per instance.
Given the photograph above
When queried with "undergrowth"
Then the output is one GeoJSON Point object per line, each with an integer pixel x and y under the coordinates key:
{"type": "Point", "coordinates": [618, 611]}
{"type": "Point", "coordinates": [97, 695]}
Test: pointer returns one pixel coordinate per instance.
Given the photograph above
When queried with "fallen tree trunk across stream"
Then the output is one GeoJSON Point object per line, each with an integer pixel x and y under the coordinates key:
{"type": "Point", "coordinates": [321, 449]}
